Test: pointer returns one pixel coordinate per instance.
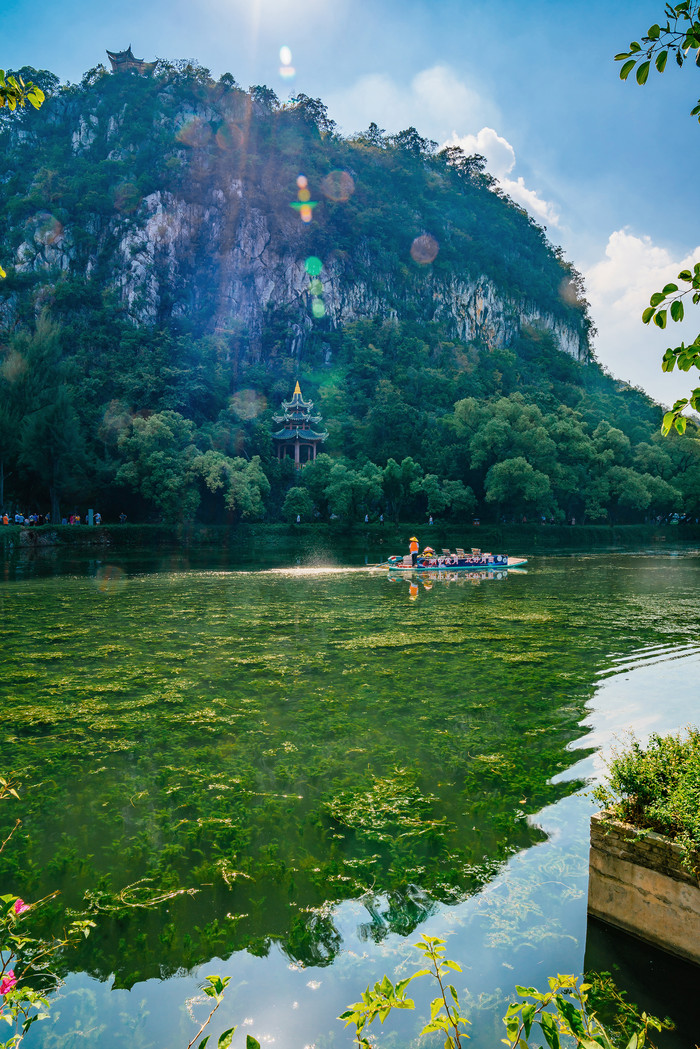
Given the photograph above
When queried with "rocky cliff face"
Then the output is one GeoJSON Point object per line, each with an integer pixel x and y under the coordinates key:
{"type": "Point", "coordinates": [187, 226]}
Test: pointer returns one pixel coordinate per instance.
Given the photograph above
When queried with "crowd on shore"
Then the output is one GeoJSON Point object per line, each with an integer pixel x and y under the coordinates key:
{"type": "Point", "coordinates": [34, 520]}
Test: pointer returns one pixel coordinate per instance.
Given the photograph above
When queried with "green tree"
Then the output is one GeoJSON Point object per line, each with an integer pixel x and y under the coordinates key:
{"type": "Point", "coordinates": [39, 403]}
{"type": "Point", "coordinates": [397, 481]}
{"type": "Point", "coordinates": [678, 37]}
{"type": "Point", "coordinates": [459, 499]}
{"type": "Point", "coordinates": [242, 483]}
{"type": "Point", "coordinates": [161, 463]}
{"type": "Point", "coordinates": [515, 486]}
{"type": "Point", "coordinates": [298, 503]}
{"type": "Point", "coordinates": [315, 477]}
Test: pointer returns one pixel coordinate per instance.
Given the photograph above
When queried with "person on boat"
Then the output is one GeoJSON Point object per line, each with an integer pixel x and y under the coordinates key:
{"type": "Point", "coordinates": [413, 549]}
{"type": "Point", "coordinates": [428, 552]}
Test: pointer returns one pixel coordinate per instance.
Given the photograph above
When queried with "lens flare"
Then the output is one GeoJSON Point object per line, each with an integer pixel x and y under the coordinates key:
{"type": "Point", "coordinates": [285, 55]}
{"type": "Point", "coordinates": [126, 198]}
{"type": "Point", "coordinates": [318, 309]}
{"type": "Point", "coordinates": [304, 195]}
{"type": "Point", "coordinates": [302, 181]}
{"type": "Point", "coordinates": [13, 367]}
{"type": "Point", "coordinates": [313, 266]}
{"type": "Point", "coordinates": [46, 228]}
{"type": "Point", "coordinates": [316, 287]}
{"type": "Point", "coordinates": [338, 186]}
{"type": "Point", "coordinates": [248, 404]}
{"type": "Point", "coordinates": [287, 72]}
{"type": "Point", "coordinates": [424, 249]}
{"type": "Point", "coordinates": [194, 133]}
{"type": "Point", "coordinates": [229, 136]}
{"type": "Point", "coordinates": [110, 579]}
{"type": "Point", "coordinates": [568, 292]}
{"type": "Point", "coordinates": [305, 209]}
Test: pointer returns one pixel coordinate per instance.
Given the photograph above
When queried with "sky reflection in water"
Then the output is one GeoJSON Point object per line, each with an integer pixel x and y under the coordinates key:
{"type": "Point", "coordinates": [455, 687]}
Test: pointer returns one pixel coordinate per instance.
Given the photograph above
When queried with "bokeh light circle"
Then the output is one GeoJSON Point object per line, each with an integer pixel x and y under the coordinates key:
{"type": "Point", "coordinates": [127, 197]}
{"type": "Point", "coordinates": [46, 228]}
{"type": "Point", "coordinates": [229, 136]}
{"type": "Point", "coordinates": [110, 580]}
{"type": "Point", "coordinates": [302, 181]}
{"type": "Point", "coordinates": [313, 266]}
{"type": "Point", "coordinates": [424, 249]}
{"type": "Point", "coordinates": [285, 55]}
{"type": "Point", "coordinates": [318, 309]}
{"type": "Point", "coordinates": [338, 186]}
{"type": "Point", "coordinates": [194, 133]}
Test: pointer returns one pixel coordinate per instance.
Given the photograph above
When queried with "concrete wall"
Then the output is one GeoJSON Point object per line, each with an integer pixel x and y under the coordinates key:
{"type": "Point", "coordinates": [640, 885]}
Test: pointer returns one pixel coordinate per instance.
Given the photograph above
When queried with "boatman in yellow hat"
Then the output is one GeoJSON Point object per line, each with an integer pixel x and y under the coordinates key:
{"type": "Point", "coordinates": [414, 548]}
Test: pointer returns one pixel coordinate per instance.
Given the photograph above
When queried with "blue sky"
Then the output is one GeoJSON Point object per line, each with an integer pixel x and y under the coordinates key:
{"type": "Point", "coordinates": [607, 167]}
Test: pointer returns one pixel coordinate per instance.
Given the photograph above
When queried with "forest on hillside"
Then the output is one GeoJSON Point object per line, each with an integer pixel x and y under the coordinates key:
{"type": "Point", "coordinates": [170, 417]}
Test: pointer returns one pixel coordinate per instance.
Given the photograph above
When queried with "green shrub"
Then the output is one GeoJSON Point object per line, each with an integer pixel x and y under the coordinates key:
{"type": "Point", "coordinates": [658, 788]}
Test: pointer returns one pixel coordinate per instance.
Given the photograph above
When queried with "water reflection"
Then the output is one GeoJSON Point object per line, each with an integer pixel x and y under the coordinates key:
{"type": "Point", "coordinates": [328, 769]}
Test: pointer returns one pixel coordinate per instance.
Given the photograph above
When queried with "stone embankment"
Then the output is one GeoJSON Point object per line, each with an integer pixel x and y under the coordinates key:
{"type": "Point", "coordinates": [639, 882]}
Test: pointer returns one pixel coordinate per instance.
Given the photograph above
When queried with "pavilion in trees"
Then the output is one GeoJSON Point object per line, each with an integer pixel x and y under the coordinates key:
{"type": "Point", "coordinates": [297, 437]}
{"type": "Point", "coordinates": [124, 62]}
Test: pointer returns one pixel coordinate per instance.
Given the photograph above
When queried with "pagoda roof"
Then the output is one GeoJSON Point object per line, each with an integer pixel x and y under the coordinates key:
{"type": "Point", "coordinates": [300, 435]}
{"type": "Point", "coordinates": [297, 400]}
{"type": "Point", "coordinates": [297, 417]}
{"type": "Point", "coordinates": [127, 60]}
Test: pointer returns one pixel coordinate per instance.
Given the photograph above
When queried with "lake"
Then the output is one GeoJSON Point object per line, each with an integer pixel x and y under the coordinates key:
{"type": "Point", "coordinates": [287, 776]}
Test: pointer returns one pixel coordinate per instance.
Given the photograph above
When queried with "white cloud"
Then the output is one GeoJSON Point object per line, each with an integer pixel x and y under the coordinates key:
{"type": "Point", "coordinates": [619, 286]}
{"type": "Point", "coordinates": [435, 101]}
{"type": "Point", "coordinates": [531, 201]}
{"type": "Point", "coordinates": [499, 153]}
{"type": "Point", "coordinates": [500, 161]}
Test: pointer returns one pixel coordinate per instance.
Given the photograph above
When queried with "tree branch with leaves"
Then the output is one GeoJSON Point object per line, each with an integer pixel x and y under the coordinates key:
{"type": "Point", "coordinates": [679, 37]}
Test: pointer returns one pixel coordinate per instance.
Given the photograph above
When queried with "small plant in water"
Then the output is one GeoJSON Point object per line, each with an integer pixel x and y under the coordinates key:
{"type": "Point", "coordinates": [445, 1015]}
{"type": "Point", "coordinates": [562, 1014]}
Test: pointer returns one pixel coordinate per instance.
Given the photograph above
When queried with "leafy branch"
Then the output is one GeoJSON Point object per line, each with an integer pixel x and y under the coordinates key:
{"type": "Point", "coordinates": [678, 37]}
{"type": "Point", "coordinates": [445, 1016]}
{"type": "Point", "coordinates": [14, 92]}
{"type": "Point", "coordinates": [670, 301]}
{"type": "Point", "coordinates": [214, 988]}
{"type": "Point", "coordinates": [563, 1012]}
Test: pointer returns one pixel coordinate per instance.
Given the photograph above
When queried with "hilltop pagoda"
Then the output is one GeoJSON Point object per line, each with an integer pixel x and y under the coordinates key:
{"type": "Point", "coordinates": [297, 436]}
{"type": "Point", "coordinates": [124, 62]}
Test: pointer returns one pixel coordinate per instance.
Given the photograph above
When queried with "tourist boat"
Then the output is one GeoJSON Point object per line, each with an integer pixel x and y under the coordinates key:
{"type": "Point", "coordinates": [449, 561]}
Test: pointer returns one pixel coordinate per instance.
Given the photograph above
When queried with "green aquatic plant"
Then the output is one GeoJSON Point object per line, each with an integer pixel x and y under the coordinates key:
{"type": "Point", "coordinates": [27, 977]}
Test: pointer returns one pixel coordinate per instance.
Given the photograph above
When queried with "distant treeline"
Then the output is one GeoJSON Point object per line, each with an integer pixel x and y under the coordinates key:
{"type": "Point", "coordinates": [153, 424]}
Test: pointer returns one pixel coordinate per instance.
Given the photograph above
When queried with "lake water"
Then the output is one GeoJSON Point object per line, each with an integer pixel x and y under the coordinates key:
{"type": "Point", "coordinates": [286, 777]}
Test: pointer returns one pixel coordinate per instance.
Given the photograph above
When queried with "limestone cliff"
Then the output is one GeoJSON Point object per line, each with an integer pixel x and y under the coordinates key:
{"type": "Point", "coordinates": [173, 193]}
